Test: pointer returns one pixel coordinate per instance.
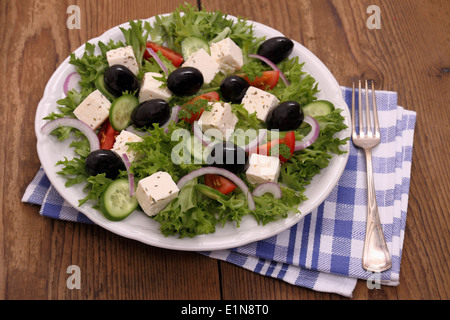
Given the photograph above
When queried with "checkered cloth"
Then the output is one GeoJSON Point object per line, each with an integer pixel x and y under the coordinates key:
{"type": "Point", "coordinates": [323, 251]}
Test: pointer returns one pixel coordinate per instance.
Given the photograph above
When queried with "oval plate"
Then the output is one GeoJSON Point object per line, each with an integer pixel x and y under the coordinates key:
{"type": "Point", "coordinates": [141, 228]}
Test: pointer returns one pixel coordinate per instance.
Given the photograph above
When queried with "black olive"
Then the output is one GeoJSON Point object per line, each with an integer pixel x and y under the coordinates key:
{"type": "Point", "coordinates": [119, 78]}
{"type": "Point", "coordinates": [228, 156]}
{"type": "Point", "coordinates": [286, 116]}
{"type": "Point", "coordinates": [276, 49]}
{"type": "Point", "coordinates": [104, 161]}
{"type": "Point", "coordinates": [185, 81]}
{"type": "Point", "coordinates": [233, 88]}
{"type": "Point", "coordinates": [150, 112]}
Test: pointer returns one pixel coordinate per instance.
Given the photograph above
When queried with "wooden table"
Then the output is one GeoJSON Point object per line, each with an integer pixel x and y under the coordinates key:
{"type": "Point", "coordinates": [409, 55]}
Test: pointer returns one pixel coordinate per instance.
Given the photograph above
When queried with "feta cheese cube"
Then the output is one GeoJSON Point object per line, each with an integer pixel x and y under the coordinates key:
{"type": "Point", "coordinates": [220, 117]}
{"type": "Point", "coordinates": [228, 55]}
{"type": "Point", "coordinates": [202, 61]}
{"type": "Point", "coordinates": [150, 88]}
{"type": "Point", "coordinates": [121, 147]}
{"type": "Point", "coordinates": [263, 169]}
{"type": "Point", "coordinates": [259, 101]}
{"type": "Point", "coordinates": [123, 56]}
{"type": "Point", "coordinates": [94, 110]}
{"type": "Point", "coordinates": [155, 192]}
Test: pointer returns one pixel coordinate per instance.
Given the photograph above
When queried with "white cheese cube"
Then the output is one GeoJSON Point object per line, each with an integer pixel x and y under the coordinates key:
{"type": "Point", "coordinates": [228, 55]}
{"type": "Point", "coordinates": [155, 192]}
{"type": "Point", "coordinates": [202, 61]}
{"type": "Point", "coordinates": [123, 56]}
{"type": "Point", "coordinates": [220, 117]}
{"type": "Point", "coordinates": [151, 88]}
{"type": "Point", "coordinates": [121, 146]}
{"type": "Point", "coordinates": [263, 169]}
{"type": "Point", "coordinates": [259, 101]}
{"type": "Point", "coordinates": [94, 110]}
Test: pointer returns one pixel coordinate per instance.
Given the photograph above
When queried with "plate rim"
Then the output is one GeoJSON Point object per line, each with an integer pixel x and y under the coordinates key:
{"type": "Point", "coordinates": [198, 243]}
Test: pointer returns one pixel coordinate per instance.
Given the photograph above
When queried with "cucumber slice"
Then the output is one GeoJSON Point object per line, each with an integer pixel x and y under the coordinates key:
{"type": "Point", "coordinates": [116, 203]}
{"type": "Point", "coordinates": [210, 192]}
{"type": "Point", "coordinates": [192, 44]}
{"type": "Point", "coordinates": [100, 85]}
{"type": "Point", "coordinates": [120, 111]}
{"type": "Point", "coordinates": [318, 108]}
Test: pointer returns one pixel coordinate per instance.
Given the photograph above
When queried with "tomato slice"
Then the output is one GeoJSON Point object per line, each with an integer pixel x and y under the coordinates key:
{"type": "Point", "coordinates": [107, 135]}
{"type": "Point", "coordinates": [210, 96]}
{"type": "Point", "coordinates": [268, 80]}
{"type": "Point", "coordinates": [173, 56]}
{"type": "Point", "coordinates": [219, 183]}
{"type": "Point", "coordinates": [288, 140]}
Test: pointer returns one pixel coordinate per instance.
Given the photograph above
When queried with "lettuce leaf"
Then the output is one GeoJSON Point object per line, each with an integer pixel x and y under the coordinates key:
{"type": "Point", "coordinates": [192, 213]}
{"type": "Point", "coordinates": [187, 21]}
{"type": "Point", "coordinates": [305, 164]}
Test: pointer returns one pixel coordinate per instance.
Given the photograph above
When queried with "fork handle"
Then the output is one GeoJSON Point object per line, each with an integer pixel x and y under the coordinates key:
{"type": "Point", "coordinates": [376, 257]}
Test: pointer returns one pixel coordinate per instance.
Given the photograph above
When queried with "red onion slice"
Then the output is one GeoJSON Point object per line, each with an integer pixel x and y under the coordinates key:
{"type": "Point", "coordinates": [222, 172]}
{"type": "Point", "coordinates": [127, 163]}
{"type": "Point", "coordinates": [173, 117]}
{"type": "Point", "coordinates": [272, 65]}
{"type": "Point", "coordinates": [270, 187]}
{"type": "Point", "coordinates": [90, 134]}
{"type": "Point", "coordinates": [158, 60]}
{"type": "Point", "coordinates": [71, 81]}
{"type": "Point", "coordinates": [312, 135]}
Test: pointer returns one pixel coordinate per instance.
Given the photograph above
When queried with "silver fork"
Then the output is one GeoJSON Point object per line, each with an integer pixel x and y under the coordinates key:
{"type": "Point", "coordinates": [376, 257]}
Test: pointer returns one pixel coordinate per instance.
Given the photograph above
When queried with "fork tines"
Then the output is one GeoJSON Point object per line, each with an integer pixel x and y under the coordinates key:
{"type": "Point", "coordinates": [365, 130]}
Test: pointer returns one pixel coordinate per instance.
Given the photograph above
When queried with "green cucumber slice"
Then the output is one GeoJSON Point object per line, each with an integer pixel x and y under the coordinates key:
{"type": "Point", "coordinates": [116, 203]}
{"type": "Point", "coordinates": [318, 108]}
{"type": "Point", "coordinates": [100, 85]}
{"type": "Point", "coordinates": [192, 44]}
{"type": "Point", "coordinates": [210, 192]}
{"type": "Point", "coordinates": [120, 111]}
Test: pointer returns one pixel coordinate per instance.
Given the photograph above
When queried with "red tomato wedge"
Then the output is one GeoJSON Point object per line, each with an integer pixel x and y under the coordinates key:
{"type": "Point", "coordinates": [173, 56]}
{"type": "Point", "coordinates": [268, 80]}
{"type": "Point", "coordinates": [107, 135]}
{"type": "Point", "coordinates": [210, 96]}
{"type": "Point", "coordinates": [219, 183]}
{"type": "Point", "coordinates": [288, 140]}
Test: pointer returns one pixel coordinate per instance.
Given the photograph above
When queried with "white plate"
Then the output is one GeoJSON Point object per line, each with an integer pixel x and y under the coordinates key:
{"type": "Point", "coordinates": [138, 226]}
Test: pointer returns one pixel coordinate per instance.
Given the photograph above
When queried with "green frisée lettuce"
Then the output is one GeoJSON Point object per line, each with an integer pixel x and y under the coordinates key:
{"type": "Point", "coordinates": [302, 88]}
{"type": "Point", "coordinates": [193, 213]}
{"type": "Point", "coordinates": [155, 154]}
{"type": "Point", "coordinates": [187, 21]}
{"type": "Point", "coordinates": [305, 164]}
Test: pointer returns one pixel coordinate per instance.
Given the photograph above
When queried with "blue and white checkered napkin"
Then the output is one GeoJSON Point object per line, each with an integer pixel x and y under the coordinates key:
{"type": "Point", "coordinates": [323, 251]}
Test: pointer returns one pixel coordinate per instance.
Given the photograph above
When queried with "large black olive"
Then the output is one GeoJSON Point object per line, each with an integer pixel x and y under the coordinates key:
{"type": "Point", "coordinates": [233, 88]}
{"type": "Point", "coordinates": [185, 81]}
{"type": "Point", "coordinates": [228, 156]}
{"type": "Point", "coordinates": [119, 78]}
{"type": "Point", "coordinates": [150, 112]}
{"type": "Point", "coordinates": [104, 161]}
{"type": "Point", "coordinates": [286, 116]}
{"type": "Point", "coordinates": [276, 49]}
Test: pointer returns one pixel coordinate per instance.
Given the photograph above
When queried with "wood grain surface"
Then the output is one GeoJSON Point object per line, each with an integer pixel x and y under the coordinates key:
{"type": "Point", "coordinates": [409, 55]}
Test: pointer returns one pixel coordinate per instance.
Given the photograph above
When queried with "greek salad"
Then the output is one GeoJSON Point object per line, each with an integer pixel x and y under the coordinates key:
{"type": "Point", "coordinates": [194, 121]}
